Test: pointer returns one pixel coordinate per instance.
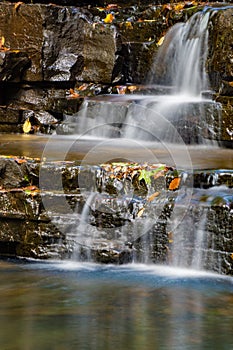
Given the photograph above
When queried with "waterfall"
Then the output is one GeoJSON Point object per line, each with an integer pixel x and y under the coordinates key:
{"type": "Point", "coordinates": [176, 117]}
{"type": "Point", "coordinates": [180, 116]}
{"type": "Point", "coordinates": [180, 61]}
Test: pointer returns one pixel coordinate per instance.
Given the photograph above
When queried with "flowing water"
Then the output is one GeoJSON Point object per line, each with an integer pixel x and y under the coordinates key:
{"type": "Point", "coordinates": [181, 115]}
{"type": "Point", "coordinates": [71, 305]}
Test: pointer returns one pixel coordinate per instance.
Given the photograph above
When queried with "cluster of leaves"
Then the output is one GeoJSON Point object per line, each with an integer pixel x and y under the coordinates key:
{"type": "Point", "coordinates": [145, 172]}
{"type": "Point", "coordinates": [114, 13]}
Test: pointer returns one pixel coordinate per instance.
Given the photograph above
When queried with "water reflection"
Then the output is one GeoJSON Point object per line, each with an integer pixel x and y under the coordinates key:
{"type": "Point", "coordinates": [202, 157]}
{"type": "Point", "coordinates": [67, 306]}
{"type": "Point", "coordinates": [55, 306]}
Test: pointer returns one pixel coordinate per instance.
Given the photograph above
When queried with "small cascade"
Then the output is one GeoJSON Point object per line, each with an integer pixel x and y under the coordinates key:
{"type": "Point", "coordinates": [180, 115]}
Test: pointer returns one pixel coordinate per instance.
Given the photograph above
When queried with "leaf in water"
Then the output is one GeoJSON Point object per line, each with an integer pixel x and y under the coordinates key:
{"type": "Point", "coordinates": [27, 126]}
{"type": "Point", "coordinates": [174, 184]}
{"type": "Point", "coordinates": [109, 18]}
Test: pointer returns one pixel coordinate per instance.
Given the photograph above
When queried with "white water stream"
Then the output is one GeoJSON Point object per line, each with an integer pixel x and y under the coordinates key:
{"type": "Point", "coordinates": [178, 117]}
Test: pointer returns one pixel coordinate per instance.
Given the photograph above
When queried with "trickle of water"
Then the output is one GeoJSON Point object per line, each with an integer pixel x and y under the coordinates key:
{"type": "Point", "coordinates": [188, 232]}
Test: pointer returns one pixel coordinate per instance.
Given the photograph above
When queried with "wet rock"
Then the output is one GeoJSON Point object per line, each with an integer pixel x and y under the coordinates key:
{"type": "Point", "coordinates": [130, 208]}
{"type": "Point", "coordinates": [11, 174]}
{"type": "Point", "coordinates": [61, 41]}
{"type": "Point", "coordinates": [10, 115]}
{"type": "Point", "coordinates": [12, 65]}
{"type": "Point", "coordinates": [220, 61]}
{"type": "Point", "coordinates": [226, 130]}
{"type": "Point", "coordinates": [22, 28]}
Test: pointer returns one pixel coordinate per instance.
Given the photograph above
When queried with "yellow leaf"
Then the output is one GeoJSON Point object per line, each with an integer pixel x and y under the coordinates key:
{"type": "Point", "coordinates": [128, 25]}
{"type": "Point", "coordinates": [132, 88]}
{"type": "Point", "coordinates": [179, 7]}
{"type": "Point", "coordinates": [109, 18]}
{"type": "Point", "coordinates": [140, 212]}
{"type": "Point", "coordinates": [27, 126]}
{"type": "Point", "coordinates": [17, 5]}
{"type": "Point", "coordinates": [159, 43]}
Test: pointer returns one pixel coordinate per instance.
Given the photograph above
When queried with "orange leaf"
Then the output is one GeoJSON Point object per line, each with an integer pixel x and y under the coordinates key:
{"type": "Point", "coordinates": [109, 18]}
{"type": "Point", "coordinates": [132, 88]}
{"type": "Point", "coordinates": [112, 7]}
{"type": "Point", "coordinates": [153, 196]}
{"type": "Point", "coordinates": [174, 184]}
{"type": "Point", "coordinates": [20, 161]}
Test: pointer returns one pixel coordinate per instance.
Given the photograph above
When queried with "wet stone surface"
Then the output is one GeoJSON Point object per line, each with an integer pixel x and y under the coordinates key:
{"type": "Point", "coordinates": [114, 212]}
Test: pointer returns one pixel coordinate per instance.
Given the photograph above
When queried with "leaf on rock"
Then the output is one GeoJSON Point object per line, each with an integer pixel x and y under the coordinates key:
{"type": "Point", "coordinates": [140, 212]}
{"type": "Point", "coordinates": [153, 196]}
{"type": "Point", "coordinates": [27, 126]}
{"type": "Point", "coordinates": [161, 40]}
{"type": "Point", "coordinates": [174, 184]}
{"type": "Point", "coordinates": [17, 5]}
{"type": "Point", "coordinates": [109, 18]}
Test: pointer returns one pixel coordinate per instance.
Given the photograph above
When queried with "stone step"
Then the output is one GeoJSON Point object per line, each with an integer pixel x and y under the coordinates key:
{"type": "Point", "coordinates": [131, 209]}
{"type": "Point", "coordinates": [146, 117]}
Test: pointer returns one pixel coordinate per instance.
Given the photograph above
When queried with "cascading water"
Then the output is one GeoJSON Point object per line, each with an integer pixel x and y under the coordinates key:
{"type": "Point", "coordinates": [180, 64]}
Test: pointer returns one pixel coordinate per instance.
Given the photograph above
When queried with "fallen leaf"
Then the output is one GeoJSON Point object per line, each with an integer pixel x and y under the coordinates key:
{"type": "Point", "coordinates": [161, 40]}
{"type": "Point", "coordinates": [109, 18]}
{"type": "Point", "coordinates": [83, 87]}
{"type": "Point", "coordinates": [73, 94]}
{"type": "Point", "coordinates": [132, 88]}
{"type": "Point", "coordinates": [2, 44]}
{"type": "Point", "coordinates": [174, 184]}
{"type": "Point", "coordinates": [153, 196]}
{"type": "Point", "coordinates": [121, 89]}
{"type": "Point", "coordinates": [17, 5]}
{"type": "Point", "coordinates": [179, 7]}
{"type": "Point", "coordinates": [27, 126]}
{"type": "Point", "coordinates": [20, 160]}
{"type": "Point", "coordinates": [140, 212]}
{"type": "Point", "coordinates": [128, 25]}
{"type": "Point", "coordinates": [112, 7]}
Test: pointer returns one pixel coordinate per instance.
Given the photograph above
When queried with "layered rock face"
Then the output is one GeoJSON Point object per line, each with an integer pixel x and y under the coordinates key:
{"type": "Point", "coordinates": [116, 213]}
{"type": "Point", "coordinates": [54, 56]}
